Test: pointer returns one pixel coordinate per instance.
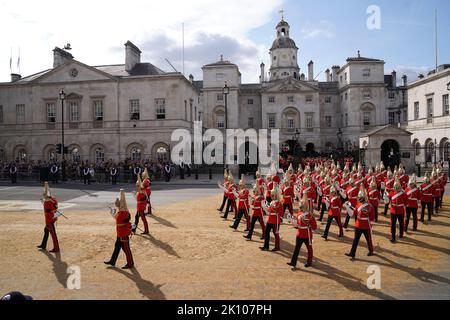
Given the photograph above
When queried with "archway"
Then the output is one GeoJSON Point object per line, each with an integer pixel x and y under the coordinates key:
{"type": "Point", "coordinates": [390, 153]}
{"type": "Point", "coordinates": [310, 148]}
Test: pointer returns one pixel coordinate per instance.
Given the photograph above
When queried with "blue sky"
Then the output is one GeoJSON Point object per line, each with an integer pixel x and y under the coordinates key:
{"type": "Point", "coordinates": [326, 32]}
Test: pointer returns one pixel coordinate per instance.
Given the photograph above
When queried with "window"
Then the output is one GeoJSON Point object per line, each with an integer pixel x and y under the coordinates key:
{"type": "Point", "coordinates": [134, 109]}
{"type": "Point", "coordinates": [366, 73]}
{"type": "Point", "coordinates": [220, 121]}
{"type": "Point", "coordinates": [366, 118]}
{"type": "Point", "coordinates": [345, 76]}
{"type": "Point", "coordinates": [250, 122]}
{"type": "Point", "coordinates": [328, 121]}
{"type": "Point", "coordinates": [274, 58]}
{"type": "Point", "coordinates": [160, 106]}
{"type": "Point", "coordinates": [429, 110]}
{"type": "Point", "coordinates": [271, 119]}
{"type": "Point", "coordinates": [308, 99]}
{"type": "Point", "coordinates": [284, 74]}
{"type": "Point", "coordinates": [219, 97]}
{"type": "Point", "coordinates": [328, 99]}
{"type": "Point", "coordinates": [342, 97]}
{"type": "Point", "coordinates": [2, 155]}
{"type": "Point", "coordinates": [99, 154]}
{"type": "Point", "coordinates": [249, 101]}
{"type": "Point", "coordinates": [161, 154]}
{"type": "Point", "coordinates": [1, 114]}
{"type": "Point", "coordinates": [290, 123]}
{"type": "Point", "coordinates": [135, 153]}
{"type": "Point", "coordinates": [405, 115]}
{"type": "Point", "coordinates": [391, 95]}
{"type": "Point", "coordinates": [271, 99]}
{"type": "Point", "coordinates": [20, 113]}
{"type": "Point", "coordinates": [22, 154]}
{"type": "Point", "coordinates": [416, 110]}
{"type": "Point", "coordinates": [445, 105]}
{"type": "Point", "coordinates": [346, 119]}
{"type": "Point", "coordinates": [309, 118]}
{"type": "Point", "coordinates": [417, 147]}
{"type": "Point", "coordinates": [346, 96]}
{"type": "Point", "coordinates": [290, 99]}
{"type": "Point", "coordinates": [74, 111]}
{"type": "Point", "coordinates": [51, 112]}
{"type": "Point", "coordinates": [391, 117]}
{"type": "Point", "coordinates": [98, 110]}
{"type": "Point", "coordinates": [367, 94]}
{"type": "Point", "coordinates": [340, 79]}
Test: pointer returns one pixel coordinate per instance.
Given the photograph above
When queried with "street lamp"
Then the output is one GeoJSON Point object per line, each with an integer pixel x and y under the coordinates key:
{"type": "Point", "coordinates": [226, 92]}
{"type": "Point", "coordinates": [435, 146]}
{"type": "Point", "coordinates": [62, 96]}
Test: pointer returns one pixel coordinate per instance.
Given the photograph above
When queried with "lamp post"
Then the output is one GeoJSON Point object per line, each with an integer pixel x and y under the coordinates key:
{"type": "Point", "coordinates": [225, 92]}
{"type": "Point", "coordinates": [435, 147]}
{"type": "Point", "coordinates": [62, 96]}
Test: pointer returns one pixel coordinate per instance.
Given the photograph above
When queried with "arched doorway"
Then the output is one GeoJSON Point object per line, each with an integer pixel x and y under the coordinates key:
{"type": "Point", "coordinates": [310, 149]}
{"type": "Point", "coordinates": [390, 153]}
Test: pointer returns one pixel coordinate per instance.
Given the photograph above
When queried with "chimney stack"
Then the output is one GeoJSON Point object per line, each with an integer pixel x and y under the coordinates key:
{"type": "Point", "coordinates": [132, 56]}
{"type": "Point", "coordinates": [15, 77]}
{"type": "Point", "coordinates": [261, 77]}
{"type": "Point", "coordinates": [327, 73]}
{"type": "Point", "coordinates": [60, 57]}
{"type": "Point", "coordinates": [394, 79]}
{"type": "Point", "coordinates": [311, 71]}
{"type": "Point", "coordinates": [334, 73]}
{"type": "Point", "coordinates": [405, 80]}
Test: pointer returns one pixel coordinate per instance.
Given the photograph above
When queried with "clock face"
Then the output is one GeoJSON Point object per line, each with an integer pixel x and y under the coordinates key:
{"type": "Point", "coordinates": [73, 72]}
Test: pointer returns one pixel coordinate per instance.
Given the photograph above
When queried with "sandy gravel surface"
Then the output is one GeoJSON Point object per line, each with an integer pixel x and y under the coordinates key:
{"type": "Point", "coordinates": [193, 254]}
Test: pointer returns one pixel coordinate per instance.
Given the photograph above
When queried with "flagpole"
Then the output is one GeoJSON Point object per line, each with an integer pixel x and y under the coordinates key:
{"type": "Point", "coordinates": [436, 36]}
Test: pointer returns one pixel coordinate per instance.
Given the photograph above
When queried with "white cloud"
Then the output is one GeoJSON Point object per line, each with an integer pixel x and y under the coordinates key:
{"type": "Point", "coordinates": [323, 29]}
{"type": "Point", "coordinates": [412, 72]}
{"type": "Point", "coordinates": [94, 27]}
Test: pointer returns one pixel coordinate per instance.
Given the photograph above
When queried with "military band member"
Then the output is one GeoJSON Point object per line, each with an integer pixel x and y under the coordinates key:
{"type": "Point", "coordinates": [414, 196]}
{"type": "Point", "coordinates": [123, 229]}
{"type": "Point", "coordinates": [309, 191]}
{"type": "Point", "coordinates": [259, 182]}
{"type": "Point", "coordinates": [444, 178]}
{"type": "Point", "coordinates": [51, 216]}
{"type": "Point", "coordinates": [305, 225]}
{"type": "Point", "coordinates": [257, 214]}
{"type": "Point", "coordinates": [334, 212]}
{"type": "Point", "coordinates": [437, 191]}
{"type": "Point", "coordinates": [243, 205]}
{"type": "Point", "coordinates": [147, 187]}
{"type": "Point", "coordinates": [326, 185]}
{"type": "Point", "coordinates": [426, 189]}
{"type": "Point", "coordinates": [268, 189]}
{"type": "Point", "coordinates": [231, 202]}
{"type": "Point", "coordinates": [288, 195]}
{"type": "Point", "coordinates": [398, 202]}
{"type": "Point", "coordinates": [113, 174]}
{"type": "Point", "coordinates": [374, 196]}
{"type": "Point", "coordinates": [54, 172]}
{"type": "Point", "coordinates": [141, 200]}
{"type": "Point", "coordinates": [388, 188]}
{"type": "Point", "coordinates": [402, 177]}
{"type": "Point", "coordinates": [364, 216]}
{"type": "Point", "coordinates": [224, 199]}
{"type": "Point", "coordinates": [352, 197]}
{"type": "Point", "coordinates": [274, 212]}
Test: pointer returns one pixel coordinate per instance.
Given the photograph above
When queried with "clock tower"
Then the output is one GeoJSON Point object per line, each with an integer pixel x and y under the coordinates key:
{"type": "Point", "coordinates": [283, 54]}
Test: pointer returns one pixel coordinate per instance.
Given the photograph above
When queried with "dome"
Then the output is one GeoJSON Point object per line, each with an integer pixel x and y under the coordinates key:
{"type": "Point", "coordinates": [282, 23]}
{"type": "Point", "coordinates": [283, 42]}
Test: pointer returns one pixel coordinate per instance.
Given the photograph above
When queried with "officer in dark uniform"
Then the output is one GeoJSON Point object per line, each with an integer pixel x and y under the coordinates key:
{"type": "Point", "coordinates": [54, 172]}
{"type": "Point", "coordinates": [113, 174]}
{"type": "Point", "coordinates": [13, 172]}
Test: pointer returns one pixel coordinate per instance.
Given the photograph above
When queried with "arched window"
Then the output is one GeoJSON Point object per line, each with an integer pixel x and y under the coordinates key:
{"type": "Point", "coordinates": [51, 155]}
{"type": "Point", "coordinates": [99, 154]}
{"type": "Point", "coordinates": [446, 151]}
{"type": "Point", "coordinates": [161, 154]}
{"type": "Point", "coordinates": [22, 154]}
{"type": "Point", "coordinates": [429, 150]}
{"type": "Point", "coordinates": [417, 148]}
{"type": "Point", "coordinates": [443, 149]}
{"type": "Point", "coordinates": [75, 154]}
{"type": "Point", "coordinates": [2, 155]}
{"type": "Point", "coordinates": [135, 153]}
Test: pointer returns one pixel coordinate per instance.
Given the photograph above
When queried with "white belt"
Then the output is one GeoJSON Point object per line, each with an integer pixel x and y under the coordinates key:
{"type": "Point", "coordinates": [413, 199]}
{"type": "Point", "coordinates": [363, 219]}
{"type": "Point", "coordinates": [398, 205]}
{"type": "Point", "coordinates": [335, 208]}
{"type": "Point", "coordinates": [303, 228]}
{"type": "Point", "coordinates": [287, 196]}
{"type": "Point", "coordinates": [427, 194]}
{"type": "Point", "coordinates": [373, 198]}
{"type": "Point", "coordinates": [254, 208]}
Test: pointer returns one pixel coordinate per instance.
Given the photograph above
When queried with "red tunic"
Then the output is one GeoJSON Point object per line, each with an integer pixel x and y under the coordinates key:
{"type": "Point", "coordinates": [288, 194]}
{"type": "Point", "coordinates": [123, 225]}
{"type": "Point", "coordinates": [399, 200]}
{"type": "Point", "coordinates": [388, 185]}
{"type": "Point", "coordinates": [414, 195]}
{"type": "Point", "coordinates": [364, 214]}
{"type": "Point", "coordinates": [276, 179]}
{"type": "Point", "coordinates": [50, 207]}
{"type": "Point", "coordinates": [352, 195]}
{"type": "Point", "coordinates": [141, 200]}
{"type": "Point", "coordinates": [269, 187]}
{"type": "Point", "coordinates": [437, 184]}
{"type": "Point", "coordinates": [230, 191]}
{"type": "Point", "coordinates": [427, 192]}
{"type": "Point", "coordinates": [257, 210]}
{"type": "Point", "coordinates": [325, 191]}
{"type": "Point", "coordinates": [404, 179]}
{"type": "Point", "coordinates": [146, 184]}
{"type": "Point", "coordinates": [374, 197]}
{"type": "Point", "coordinates": [335, 206]}
{"type": "Point", "coordinates": [306, 224]}
{"type": "Point", "coordinates": [275, 212]}
{"type": "Point", "coordinates": [243, 199]}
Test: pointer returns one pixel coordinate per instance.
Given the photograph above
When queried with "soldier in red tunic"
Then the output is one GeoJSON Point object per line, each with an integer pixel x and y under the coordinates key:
{"type": "Point", "coordinates": [388, 184]}
{"type": "Point", "coordinates": [268, 188]}
{"type": "Point", "coordinates": [51, 216]}
{"type": "Point", "coordinates": [437, 185]}
{"type": "Point", "coordinates": [399, 201]}
{"type": "Point", "coordinates": [374, 196]}
{"type": "Point", "coordinates": [352, 197]}
{"type": "Point", "coordinates": [224, 200]}
{"type": "Point", "coordinates": [146, 187]}
{"type": "Point", "coordinates": [231, 202]}
{"type": "Point", "coordinates": [243, 205]}
{"type": "Point", "coordinates": [444, 178]}
{"type": "Point", "coordinates": [403, 178]}
{"type": "Point", "coordinates": [257, 213]}
{"type": "Point", "coordinates": [123, 228]}
{"type": "Point", "coordinates": [305, 225]}
{"type": "Point", "coordinates": [325, 188]}
{"type": "Point", "coordinates": [141, 200]}
{"type": "Point", "coordinates": [364, 215]}
{"type": "Point", "coordinates": [335, 206]}
{"type": "Point", "coordinates": [288, 195]}
{"type": "Point", "coordinates": [414, 196]}
{"type": "Point", "coordinates": [426, 189]}
{"type": "Point", "coordinates": [274, 212]}
{"type": "Point", "coordinates": [259, 182]}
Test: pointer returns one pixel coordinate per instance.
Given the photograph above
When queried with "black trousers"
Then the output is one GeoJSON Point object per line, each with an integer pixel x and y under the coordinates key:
{"type": "Point", "coordinates": [269, 200]}
{"type": "Point", "coordinates": [124, 244]}
{"type": "Point", "coordinates": [347, 220]}
{"type": "Point", "coordinates": [224, 200]}
{"type": "Point", "coordinates": [319, 203]}
{"type": "Point", "coordinates": [47, 231]}
{"type": "Point", "coordinates": [289, 207]}
{"type": "Point", "coordinates": [429, 206]}
{"type": "Point", "coordinates": [386, 207]}
{"type": "Point", "coordinates": [329, 221]}
{"type": "Point", "coordinates": [367, 235]}
{"type": "Point", "coordinates": [298, 244]}
{"type": "Point", "coordinates": [394, 218]}
{"type": "Point", "coordinates": [322, 210]}
{"type": "Point", "coordinates": [241, 212]}
{"type": "Point", "coordinates": [114, 179]}
{"type": "Point", "coordinates": [274, 228]}
{"type": "Point", "coordinates": [436, 204]}
{"type": "Point", "coordinates": [86, 179]}
{"type": "Point", "coordinates": [231, 203]}
{"type": "Point", "coordinates": [14, 178]}
{"type": "Point", "coordinates": [410, 211]}
{"type": "Point", "coordinates": [252, 226]}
